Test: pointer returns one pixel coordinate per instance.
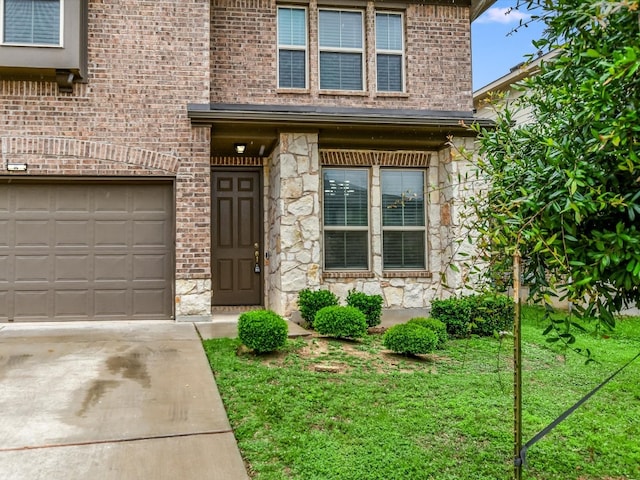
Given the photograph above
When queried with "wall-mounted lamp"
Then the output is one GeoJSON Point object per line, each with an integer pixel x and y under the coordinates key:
{"type": "Point", "coordinates": [240, 148]}
{"type": "Point", "coordinates": [16, 167]}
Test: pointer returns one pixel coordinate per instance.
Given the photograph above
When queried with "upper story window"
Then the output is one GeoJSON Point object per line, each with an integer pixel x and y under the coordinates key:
{"type": "Point", "coordinates": [32, 22]}
{"type": "Point", "coordinates": [292, 47]}
{"type": "Point", "coordinates": [341, 49]}
{"type": "Point", "coordinates": [403, 219]}
{"type": "Point", "coordinates": [346, 218]}
{"type": "Point", "coordinates": [389, 52]}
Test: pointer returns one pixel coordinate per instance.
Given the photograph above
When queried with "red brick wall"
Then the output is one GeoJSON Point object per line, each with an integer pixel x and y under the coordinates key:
{"type": "Point", "coordinates": [146, 61]}
{"type": "Point", "coordinates": [244, 58]}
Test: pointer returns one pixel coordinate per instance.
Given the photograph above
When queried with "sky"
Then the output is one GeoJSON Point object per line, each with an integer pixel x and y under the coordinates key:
{"type": "Point", "coordinates": [494, 51]}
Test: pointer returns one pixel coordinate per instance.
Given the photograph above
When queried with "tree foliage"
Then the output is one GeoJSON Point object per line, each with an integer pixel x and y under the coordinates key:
{"type": "Point", "coordinates": [565, 188]}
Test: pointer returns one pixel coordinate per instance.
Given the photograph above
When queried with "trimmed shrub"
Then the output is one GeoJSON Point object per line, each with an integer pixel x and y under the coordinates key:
{"type": "Point", "coordinates": [481, 314]}
{"type": "Point", "coordinates": [410, 339]}
{"type": "Point", "coordinates": [341, 322]}
{"type": "Point", "coordinates": [370, 305]}
{"type": "Point", "coordinates": [262, 330]}
{"type": "Point", "coordinates": [310, 302]}
{"type": "Point", "coordinates": [436, 326]}
{"type": "Point", "coordinates": [491, 313]}
{"type": "Point", "coordinates": [454, 313]}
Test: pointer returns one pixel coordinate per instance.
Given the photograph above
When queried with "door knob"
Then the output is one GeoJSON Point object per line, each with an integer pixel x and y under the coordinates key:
{"type": "Point", "coordinates": [256, 254]}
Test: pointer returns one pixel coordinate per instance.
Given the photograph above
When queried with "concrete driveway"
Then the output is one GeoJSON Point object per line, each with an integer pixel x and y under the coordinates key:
{"type": "Point", "coordinates": [113, 400]}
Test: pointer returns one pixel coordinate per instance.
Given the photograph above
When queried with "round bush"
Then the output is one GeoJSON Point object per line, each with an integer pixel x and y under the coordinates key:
{"type": "Point", "coordinates": [436, 326]}
{"type": "Point", "coordinates": [262, 330]}
{"type": "Point", "coordinates": [341, 322]}
{"type": "Point", "coordinates": [410, 339]}
{"type": "Point", "coordinates": [311, 301]}
{"type": "Point", "coordinates": [370, 305]}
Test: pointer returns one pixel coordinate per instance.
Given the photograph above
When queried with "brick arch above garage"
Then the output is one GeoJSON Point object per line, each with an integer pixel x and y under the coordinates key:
{"type": "Point", "coordinates": [71, 156]}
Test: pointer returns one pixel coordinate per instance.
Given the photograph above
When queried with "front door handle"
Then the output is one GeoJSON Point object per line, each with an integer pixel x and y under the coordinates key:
{"type": "Point", "coordinates": [256, 254]}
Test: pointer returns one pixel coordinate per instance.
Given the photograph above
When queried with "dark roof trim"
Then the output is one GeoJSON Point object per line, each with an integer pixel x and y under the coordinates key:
{"type": "Point", "coordinates": [478, 7]}
{"type": "Point", "coordinates": [321, 116]}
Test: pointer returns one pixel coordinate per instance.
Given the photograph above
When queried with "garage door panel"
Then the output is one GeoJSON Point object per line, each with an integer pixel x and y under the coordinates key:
{"type": "Point", "coordinates": [147, 200]}
{"type": "Point", "coordinates": [148, 233]}
{"type": "Point", "coordinates": [148, 302]}
{"type": "Point", "coordinates": [4, 305]}
{"type": "Point", "coordinates": [4, 200]}
{"type": "Point", "coordinates": [87, 250]}
{"type": "Point", "coordinates": [72, 268]}
{"type": "Point", "coordinates": [73, 233]}
{"type": "Point", "coordinates": [5, 274]}
{"type": "Point", "coordinates": [109, 268]}
{"type": "Point", "coordinates": [111, 199]}
{"type": "Point", "coordinates": [150, 267]}
{"type": "Point", "coordinates": [29, 233]}
{"type": "Point", "coordinates": [4, 233]}
{"type": "Point", "coordinates": [72, 304]}
{"type": "Point", "coordinates": [113, 233]}
{"type": "Point", "coordinates": [73, 199]}
{"type": "Point", "coordinates": [32, 304]}
{"type": "Point", "coordinates": [32, 268]}
{"type": "Point", "coordinates": [33, 199]}
{"type": "Point", "coordinates": [111, 303]}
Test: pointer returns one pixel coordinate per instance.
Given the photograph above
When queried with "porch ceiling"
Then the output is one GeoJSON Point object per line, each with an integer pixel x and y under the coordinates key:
{"type": "Point", "coordinates": [258, 127]}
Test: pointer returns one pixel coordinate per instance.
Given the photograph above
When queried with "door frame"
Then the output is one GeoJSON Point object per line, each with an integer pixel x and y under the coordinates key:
{"type": "Point", "coordinates": [261, 220]}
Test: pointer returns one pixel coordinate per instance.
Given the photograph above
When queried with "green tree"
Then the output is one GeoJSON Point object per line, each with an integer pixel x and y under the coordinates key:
{"type": "Point", "coordinates": [565, 188]}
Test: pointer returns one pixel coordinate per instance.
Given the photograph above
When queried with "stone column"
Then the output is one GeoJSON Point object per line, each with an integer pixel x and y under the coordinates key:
{"type": "Point", "coordinates": [458, 181]}
{"type": "Point", "coordinates": [294, 220]}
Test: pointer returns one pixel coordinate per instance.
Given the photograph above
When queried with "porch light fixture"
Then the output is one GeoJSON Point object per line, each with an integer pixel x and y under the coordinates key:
{"type": "Point", "coordinates": [240, 148]}
{"type": "Point", "coordinates": [16, 167]}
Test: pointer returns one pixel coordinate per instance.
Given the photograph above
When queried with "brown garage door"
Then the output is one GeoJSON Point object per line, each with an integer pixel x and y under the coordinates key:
{"type": "Point", "coordinates": [85, 251]}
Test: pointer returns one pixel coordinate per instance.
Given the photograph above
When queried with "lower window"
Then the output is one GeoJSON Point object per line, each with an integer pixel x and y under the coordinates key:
{"type": "Point", "coordinates": [346, 219]}
{"type": "Point", "coordinates": [403, 219]}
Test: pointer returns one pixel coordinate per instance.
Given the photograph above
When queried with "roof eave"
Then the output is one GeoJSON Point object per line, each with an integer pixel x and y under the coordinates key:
{"type": "Point", "coordinates": [204, 114]}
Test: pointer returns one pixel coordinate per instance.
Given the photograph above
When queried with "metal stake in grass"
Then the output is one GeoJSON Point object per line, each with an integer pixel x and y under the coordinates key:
{"type": "Point", "coordinates": [517, 370]}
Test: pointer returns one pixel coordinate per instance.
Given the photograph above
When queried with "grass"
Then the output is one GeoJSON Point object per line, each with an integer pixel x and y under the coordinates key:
{"type": "Point", "coordinates": [445, 416]}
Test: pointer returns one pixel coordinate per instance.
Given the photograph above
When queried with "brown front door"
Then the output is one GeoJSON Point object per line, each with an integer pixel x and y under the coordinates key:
{"type": "Point", "coordinates": [236, 221]}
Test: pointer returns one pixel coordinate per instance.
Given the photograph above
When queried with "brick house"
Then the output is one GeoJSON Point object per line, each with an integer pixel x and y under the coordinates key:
{"type": "Point", "coordinates": [164, 158]}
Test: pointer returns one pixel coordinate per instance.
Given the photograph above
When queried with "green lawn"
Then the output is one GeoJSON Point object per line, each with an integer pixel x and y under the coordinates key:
{"type": "Point", "coordinates": [446, 416]}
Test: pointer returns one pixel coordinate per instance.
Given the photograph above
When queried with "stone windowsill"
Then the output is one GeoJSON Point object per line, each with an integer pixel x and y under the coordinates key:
{"type": "Point", "coordinates": [353, 93]}
{"type": "Point", "coordinates": [392, 95]}
{"type": "Point", "coordinates": [300, 91]}
{"type": "Point", "coordinates": [360, 274]}
{"type": "Point", "coordinates": [407, 274]}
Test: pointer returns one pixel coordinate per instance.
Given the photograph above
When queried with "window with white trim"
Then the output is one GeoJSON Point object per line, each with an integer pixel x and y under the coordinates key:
{"type": "Point", "coordinates": [32, 22]}
{"type": "Point", "coordinates": [389, 52]}
{"type": "Point", "coordinates": [341, 47]}
{"type": "Point", "coordinates": [292, 47]}
{"type": "Point", "coordinates": [403, 219]}
{"type": "Point", "coordinates": [346, 218]}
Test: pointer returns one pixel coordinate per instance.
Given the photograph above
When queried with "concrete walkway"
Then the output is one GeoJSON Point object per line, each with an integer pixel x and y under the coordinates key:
{"type": "Point", "coordinates": [111, 400]}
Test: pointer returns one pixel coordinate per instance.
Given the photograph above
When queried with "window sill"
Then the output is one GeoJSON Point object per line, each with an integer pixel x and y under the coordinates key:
{"type": "Point", "coordinates": [352, 93]}
{"type": "Point", "coordinates": [392, 95]}
{"type": "Point", "coordinates": [293, 90]}
{"type": "Point", "coordinates": [347, 274]}
{"type": "Point", "coordinates": [407, 274]}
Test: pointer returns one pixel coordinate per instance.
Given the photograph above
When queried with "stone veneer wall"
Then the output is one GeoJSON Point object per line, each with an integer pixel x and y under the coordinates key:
{"type": "Point", "coordinates": [294, 225]}
{"type": "Point", "coordinates": [457, 182]}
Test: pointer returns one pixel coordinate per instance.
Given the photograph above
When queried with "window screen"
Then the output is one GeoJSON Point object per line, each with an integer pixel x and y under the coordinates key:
{"type": "Point", "coordinates": [341, 50]}
{"type": "Point", "coordinates": [403, 219]}
{"type": "Point", "coordinates": [389, 52]}
{"type": "Point", "coordinates": [346, 219]}
{"type": "Point", "coordinates": [31, 22]}
{"type": "Point", "coordinates": [292, 48]}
